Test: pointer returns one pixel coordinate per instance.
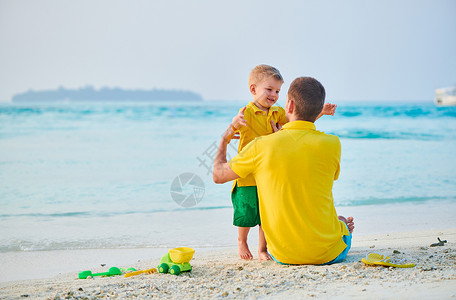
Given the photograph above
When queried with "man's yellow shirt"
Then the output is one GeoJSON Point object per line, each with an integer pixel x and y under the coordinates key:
{"type": "Point", "coordinates": [294, 170]}
{"type": "Point", "coordinates": [258, 124]}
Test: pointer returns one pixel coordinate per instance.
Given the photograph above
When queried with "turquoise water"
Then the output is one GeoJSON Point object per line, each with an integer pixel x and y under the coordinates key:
{"type": "Point", "coordinates": [68, 170]}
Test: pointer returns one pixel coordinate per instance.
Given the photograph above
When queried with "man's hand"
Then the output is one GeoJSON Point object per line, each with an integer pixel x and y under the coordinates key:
{"type": "Point", "coordinates": [238, 120]}
{"type": "Point", "coordinates": [329, 109]}
{"type": "Point", "coordinates": [275, 127]}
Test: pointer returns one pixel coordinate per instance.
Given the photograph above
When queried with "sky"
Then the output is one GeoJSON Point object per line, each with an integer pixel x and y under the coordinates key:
{"type": "Point", "coordinates": [359, 50]}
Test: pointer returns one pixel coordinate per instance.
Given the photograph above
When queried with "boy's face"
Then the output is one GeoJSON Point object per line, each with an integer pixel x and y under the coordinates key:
{"type": "Point", "coordinates": [266, 93]}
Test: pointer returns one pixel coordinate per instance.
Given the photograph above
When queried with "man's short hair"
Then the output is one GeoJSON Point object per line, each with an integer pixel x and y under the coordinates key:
{"type": "Point", "coordinates": [308, 95]}
{"type": "Point", "coordinates": [261, 72]}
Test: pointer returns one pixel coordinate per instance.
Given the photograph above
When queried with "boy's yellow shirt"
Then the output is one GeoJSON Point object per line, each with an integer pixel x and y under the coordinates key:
{"type": "Point", "coordinates": [294, 171]}
{"type": "Point", "coordinates": [258, 124]}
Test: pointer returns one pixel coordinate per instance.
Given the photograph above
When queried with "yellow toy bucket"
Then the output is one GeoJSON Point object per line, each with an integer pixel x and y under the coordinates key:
{"type": "Point", "coordinates": [181, 255]}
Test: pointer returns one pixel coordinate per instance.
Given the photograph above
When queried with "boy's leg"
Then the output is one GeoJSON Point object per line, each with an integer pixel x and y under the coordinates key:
{"type": "Point", "coordinates": [262, 247]}
{"type": "Point", "coordinates": [243, 248]}
{"type": "Point", "coordinates": [246, 215]}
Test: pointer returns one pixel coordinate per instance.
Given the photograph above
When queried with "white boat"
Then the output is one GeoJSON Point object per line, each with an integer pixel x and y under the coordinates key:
{"type": "Point", "coordinates": [445, 96]}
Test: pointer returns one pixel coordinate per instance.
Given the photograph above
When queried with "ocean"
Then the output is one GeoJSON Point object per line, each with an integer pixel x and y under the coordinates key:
{"type": "Point", "coordinates": [129, 175]}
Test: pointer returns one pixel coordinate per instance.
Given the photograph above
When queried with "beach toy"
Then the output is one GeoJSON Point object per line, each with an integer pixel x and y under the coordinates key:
{"type": "Point", "coordinates": [176, 261]}
{"type": "Point", "coordinates": [376, 259]}
{"type": "Point", "coordinates": [149, 271]}
{"type": "Point", "coordinates": [111, 272]}
{"type": "Point", "coordinates": [440, 243]}
{"type": "Point", "coordinates": [127, 270]}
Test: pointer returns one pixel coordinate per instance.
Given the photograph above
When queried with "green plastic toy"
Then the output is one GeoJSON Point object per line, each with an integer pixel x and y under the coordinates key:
{"type": "Point", "coordinates": [111, 272]}
{"type": "Point", "coordinates": [176, 261]}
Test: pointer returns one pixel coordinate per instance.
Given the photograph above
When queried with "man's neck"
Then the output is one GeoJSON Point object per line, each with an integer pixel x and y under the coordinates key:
{"type": "Point", "coordinates": [293, 117]}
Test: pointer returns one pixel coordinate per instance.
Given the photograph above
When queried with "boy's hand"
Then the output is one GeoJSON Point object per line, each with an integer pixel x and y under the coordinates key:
{"type": "Point", "coordinates": [349, 221]}
{"type": "Point", "coordinates": [275, 127]}
{"type": "Point", "coordinates": [239, 120]}
{"type": "Point", "coordinates": [329, 109]}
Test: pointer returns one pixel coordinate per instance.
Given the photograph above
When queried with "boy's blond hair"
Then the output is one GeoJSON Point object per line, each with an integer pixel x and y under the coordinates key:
{"type": "Point", "coordinates": [262, 72]}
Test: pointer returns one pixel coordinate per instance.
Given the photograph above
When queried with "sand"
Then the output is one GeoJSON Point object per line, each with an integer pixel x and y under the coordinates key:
{"type": "Point", "coordinates": [222, 274]}
{"type": "Point", "coordinates": [219, 273]}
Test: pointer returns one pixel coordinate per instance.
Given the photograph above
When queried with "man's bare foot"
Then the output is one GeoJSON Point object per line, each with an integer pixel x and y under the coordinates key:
{"type": "Point", "coordinates": [243, 250]}
{"type": "Point", "coordinates": [264, 255]}
{"type": "Point", "coordinates": [349, 221]}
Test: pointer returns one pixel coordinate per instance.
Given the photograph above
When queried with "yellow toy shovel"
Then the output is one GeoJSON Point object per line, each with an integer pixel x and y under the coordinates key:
{"type": "Point", "coordinates": [375, 259]}
{"type": "Point", "coordinates": [149, 271]}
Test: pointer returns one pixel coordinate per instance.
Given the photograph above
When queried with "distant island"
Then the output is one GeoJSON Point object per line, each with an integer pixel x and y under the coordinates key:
{"type": "Point", "coordinates": [88, 93]}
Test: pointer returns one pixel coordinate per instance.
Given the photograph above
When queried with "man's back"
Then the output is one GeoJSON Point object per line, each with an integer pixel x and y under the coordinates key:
{"type": "Point", "coordinates": [294, 170]}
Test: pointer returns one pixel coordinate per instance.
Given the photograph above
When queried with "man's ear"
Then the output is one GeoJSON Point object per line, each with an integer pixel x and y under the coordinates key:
{"type": "Point", "coordinates": [253, 89]}
{"type": "Point", "coordinates": [290, 107]}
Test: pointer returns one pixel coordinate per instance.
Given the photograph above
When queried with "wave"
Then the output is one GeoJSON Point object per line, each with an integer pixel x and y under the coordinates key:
{"type": "Point", "coordinates": [383, 201]}
{"type": "Point", "coordinates": [396, 111]}
{"type": "Point", "coordinates": [46, 245]}
{"type": "Point", "coordinates": [148, 236]}
{"type": "Point", "coordinates": [30, 246]}
{"type": "Point", "coordinates": [137, 112]}
{"type": "Point", "coordinates": [215, 110]}
{"type": "Point", "coordinates": [378, 134]}
{"type": "Point", "coordinates": [105, 213]}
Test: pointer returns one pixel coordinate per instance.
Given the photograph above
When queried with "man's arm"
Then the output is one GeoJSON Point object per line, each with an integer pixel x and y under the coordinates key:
{"type": "Point", "coordinates": [222, 171]}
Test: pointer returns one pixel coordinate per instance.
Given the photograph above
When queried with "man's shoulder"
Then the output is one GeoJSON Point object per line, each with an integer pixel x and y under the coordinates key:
{"type": "Point", "coordinates": [315, 136]}
{"type": "Point", "coordinates": [330, 140]}
{"type": "Point", "coordinates": [264, 140]}
{"type": "Point", "coordinates": [327, 136]}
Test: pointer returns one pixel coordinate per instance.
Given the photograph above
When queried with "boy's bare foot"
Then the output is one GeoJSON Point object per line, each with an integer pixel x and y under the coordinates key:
{"type": "Point", "coordinates": [349, 221]}
{"type": "Point", "coordinates": [243, 250]}
{"type": "Point", "coordinates": [264, 255]}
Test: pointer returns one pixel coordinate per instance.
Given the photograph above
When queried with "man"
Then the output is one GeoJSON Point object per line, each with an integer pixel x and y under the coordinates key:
{"type": "Point", "coordinates": [294, 169]}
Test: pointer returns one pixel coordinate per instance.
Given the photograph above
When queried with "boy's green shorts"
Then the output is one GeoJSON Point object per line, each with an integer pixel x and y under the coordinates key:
{"type": "Point", "coordinates": [245, 204]}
